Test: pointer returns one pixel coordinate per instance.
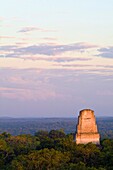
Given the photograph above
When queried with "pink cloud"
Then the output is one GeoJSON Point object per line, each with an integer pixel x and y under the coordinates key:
{"type": "Point", "coordinates": [6, 37]}
{"type": "Point", "coordinates": [49, 39]}
{"type": "Point", "coordinates": [27, 94]}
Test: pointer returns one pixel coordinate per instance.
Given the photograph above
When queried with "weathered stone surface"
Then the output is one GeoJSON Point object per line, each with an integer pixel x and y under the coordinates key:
{"type": "Point", "coordinates": [87, 128]}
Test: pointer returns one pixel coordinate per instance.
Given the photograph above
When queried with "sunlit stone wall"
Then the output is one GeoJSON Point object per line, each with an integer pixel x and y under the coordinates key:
{"type": "Point", "coordinates": [87, 128]}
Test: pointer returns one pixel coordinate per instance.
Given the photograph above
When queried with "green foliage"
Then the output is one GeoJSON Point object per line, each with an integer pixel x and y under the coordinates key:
{"type": "Point", "coordinates": [41, 160]}
{"type": "Point", "coordinates": [6, 153]}
{"type": "Point", "coordinates": [22, 144]}
{"type": "Point", "coordinates": [5, 135]}
{"type": "Point", "coordinates": [53, 150]}
{"type": "Point", "coordinates": [56, 134]}
{"type": "Point", "coordinates": [41, 134]}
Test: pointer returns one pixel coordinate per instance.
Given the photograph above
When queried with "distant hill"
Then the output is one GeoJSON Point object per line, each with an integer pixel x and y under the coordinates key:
{"type": "Point", "coordinates": [6, 117]}
{"type": "Point", "coordinates": [16, 126]}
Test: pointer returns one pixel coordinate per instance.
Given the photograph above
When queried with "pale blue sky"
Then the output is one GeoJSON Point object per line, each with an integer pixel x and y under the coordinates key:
{"type": "Point", "coordinates": [73, 20]}
{"type": "Point", "coordinates": [56, 57]}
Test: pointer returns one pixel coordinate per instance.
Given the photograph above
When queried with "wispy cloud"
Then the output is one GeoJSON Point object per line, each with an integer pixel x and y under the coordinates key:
{"type": "Point", "coordinates": [106, 52]}
{"type": "Point", "coordinates": [70, 59]}
{"type": "Point", "coordinates": [6, 37]}
{"type": "Point", "coordinates": [8, 48]}
{"type": "Point", "coordinates": [27, 84]}
{"type": "Point", "coordinates": [28, 94]}
{"type": "Point", "coordinates": [49, 39]}
{"type": "Point", "coordinates": [30, 29]}
{"type": "Point", "coordinates": [46, 49]}
{"type": "Point", "coordinates": [44, 85]}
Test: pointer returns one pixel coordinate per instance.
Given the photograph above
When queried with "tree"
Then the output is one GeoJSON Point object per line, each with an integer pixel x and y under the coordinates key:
{"type": "Point", "coordinates": [56, 134]}
{"type": "Point", "coordinates": [42, 134]}
{"type": "Point", "coordinates": [22, 144]}
{"type": "Point", "coordinates": [6, 153]}
{"type": "Point", "coordinates": [107, 153]}
{"type": "Point", "coordinates": [42, 160]}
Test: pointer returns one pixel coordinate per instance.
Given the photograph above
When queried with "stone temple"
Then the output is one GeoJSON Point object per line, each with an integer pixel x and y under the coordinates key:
{"type": "Point", "coordinates": [87, 128]}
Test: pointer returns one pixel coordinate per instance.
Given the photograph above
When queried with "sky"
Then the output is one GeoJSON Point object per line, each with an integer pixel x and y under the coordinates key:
{"type": "Point", "coordinates": [56, 57]}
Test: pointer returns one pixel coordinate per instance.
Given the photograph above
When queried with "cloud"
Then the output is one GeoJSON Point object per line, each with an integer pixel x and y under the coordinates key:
{"type": "Point", "coordinates": [2, 56]}
{"type": "Point", "coordinates": [46, 84]}
{"type": "Point", "coordinates": [30, 29]}
{"type": "Point", "coordinates": [49, 39]}
{"type": "Point", "coordinates": [8, 48]}
{"type": "Point", "coordinates": [77, 65]}
{"type": "Point", "coordinates": [46, 49]}
{"type": "Point", "coordinates": [6, 37]}
{"type": "Point", "coordinates": [106, 52]}
{"type": "Point", "coordinates": [27, 84]}
{"type": "Point", "coordinates": [70, 59]}
{"type": "Point", "coordinates": [28, 94]}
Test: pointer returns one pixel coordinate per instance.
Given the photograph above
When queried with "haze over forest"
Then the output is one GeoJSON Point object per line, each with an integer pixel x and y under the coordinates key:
{"type": "Point", "coordinates": [56, 58]}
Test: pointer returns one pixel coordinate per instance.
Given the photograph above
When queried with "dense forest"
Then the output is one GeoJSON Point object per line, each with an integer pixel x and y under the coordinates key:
{"type": "Point", "coordinates": [32, 144]}
{"type": "Point", "coordinates": [53, 150]}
